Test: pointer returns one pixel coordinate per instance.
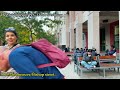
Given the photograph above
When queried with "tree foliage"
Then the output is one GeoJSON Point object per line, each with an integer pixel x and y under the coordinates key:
{"type": "Point", "coordinates": [29, 27]}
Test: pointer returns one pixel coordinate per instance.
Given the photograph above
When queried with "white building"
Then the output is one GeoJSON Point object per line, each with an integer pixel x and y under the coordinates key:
{"type": "Point", "coordinates": [98, 29]}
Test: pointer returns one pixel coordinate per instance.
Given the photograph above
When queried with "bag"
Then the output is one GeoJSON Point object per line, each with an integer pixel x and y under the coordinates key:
{"type": "Point", "coordinates": [56, 55]}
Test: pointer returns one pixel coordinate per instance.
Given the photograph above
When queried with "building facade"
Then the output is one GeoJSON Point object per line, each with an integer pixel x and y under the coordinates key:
{"type": "Point", "coordinates": [91, 29]}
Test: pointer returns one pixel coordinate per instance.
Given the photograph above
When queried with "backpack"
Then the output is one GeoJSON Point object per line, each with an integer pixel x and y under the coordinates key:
{"type": "Point", "coordinates": [56, 55]}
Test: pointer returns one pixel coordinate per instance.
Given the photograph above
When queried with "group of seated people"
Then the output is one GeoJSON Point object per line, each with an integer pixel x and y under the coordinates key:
{"type": "Point", "coordinates": [88, 61]}
{"type": "Point", "coordinates": [87, 55]}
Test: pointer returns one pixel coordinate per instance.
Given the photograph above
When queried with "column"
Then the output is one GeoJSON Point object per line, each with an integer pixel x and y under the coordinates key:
{"type": "Point", "coordinates": [67, 30]}
{"type": "Point", "coordinates": [119, 35]}
{"type": "Point", "coordinates": [93, 31]}
{"type": "Point", "coordinates": [71, 30]}
{"type": "Point", "coordinates": [79, 30]}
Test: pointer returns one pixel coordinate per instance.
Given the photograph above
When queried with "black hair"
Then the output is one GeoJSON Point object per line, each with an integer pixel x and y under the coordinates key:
{"type": "Point", "coordinates": [112, 46]}
{"type": "Point", "coordinates": [89, 50]}
{"type": "Point", "coordinates": [77, 48]}
{"type": "Point", "coordinates": [11, 30]}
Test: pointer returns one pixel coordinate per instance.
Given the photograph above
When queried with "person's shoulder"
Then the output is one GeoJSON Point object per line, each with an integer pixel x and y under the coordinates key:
{"type": "Point", "coordinates": [5, 47]}
{"type": "Point", "coordinates": [15, 46]}
{"type": "Point", "coordinates": [18, 45]}
{"type": "Point", "coordinates": [2, 48]}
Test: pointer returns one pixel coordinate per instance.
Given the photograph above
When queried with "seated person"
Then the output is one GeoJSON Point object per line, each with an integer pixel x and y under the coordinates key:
{"type": "Point", "coordinates": [94, 53]}
{"type": "Point", "coordinates": [66, 50]}
{"type": "Point", "coordinates": [106, 52]}
{"type": "Point", "coordinates": [77, 54]}
{"type": "Point", "coordinates": [85, 49]}
{"type": "Point", "coordinates": [88, 61]}
{"type": "Point", "coordinates": [112, 50]}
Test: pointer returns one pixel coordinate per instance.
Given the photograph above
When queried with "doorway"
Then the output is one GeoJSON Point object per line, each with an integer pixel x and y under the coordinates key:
{"type": "Point", "coordinates": [102, 39]}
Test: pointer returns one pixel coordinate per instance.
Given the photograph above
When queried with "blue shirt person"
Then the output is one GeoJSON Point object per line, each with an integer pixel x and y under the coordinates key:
{"type": "Point", "coordinates": [88, 60]}
{"type": "Point", "coordinates": [112, 50]}
{"type": "Point", "coordinates": [25, 59]}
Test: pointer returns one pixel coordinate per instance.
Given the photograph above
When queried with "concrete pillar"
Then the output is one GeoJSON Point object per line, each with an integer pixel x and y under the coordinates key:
{"type": "Point", "coordinates": [71, 30]}
{"type": "Point", "coordinates": [119, 34]}
{"type": "Point", "coordinates": [67, 30]}
{"type": "Point", "coordinates": [79, 30]}
{"type": "Point", "coordinates": [93, 31]}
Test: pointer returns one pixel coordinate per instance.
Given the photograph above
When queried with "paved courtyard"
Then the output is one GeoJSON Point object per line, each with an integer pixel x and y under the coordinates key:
{"type": "Point", "coordinates": [69, 73]}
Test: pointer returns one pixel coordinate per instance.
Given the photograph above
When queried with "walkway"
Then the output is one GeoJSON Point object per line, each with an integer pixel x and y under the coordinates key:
{"type": "Point", "coordinates": [69, 73]}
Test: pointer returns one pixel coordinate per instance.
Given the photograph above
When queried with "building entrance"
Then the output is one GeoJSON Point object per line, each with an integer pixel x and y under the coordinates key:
{"type": "Point", "coordinates": [102, 39]}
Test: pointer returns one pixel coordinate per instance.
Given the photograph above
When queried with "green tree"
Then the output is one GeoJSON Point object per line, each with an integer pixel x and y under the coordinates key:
{"type": "Point", "coordinates": [29, 23]}
{"type": "Point", "coordinates": [7, 21]}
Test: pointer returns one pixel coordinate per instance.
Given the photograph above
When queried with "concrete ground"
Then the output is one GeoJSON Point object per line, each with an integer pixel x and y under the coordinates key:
{"type": "Point", "coordinates": [69, 73]}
